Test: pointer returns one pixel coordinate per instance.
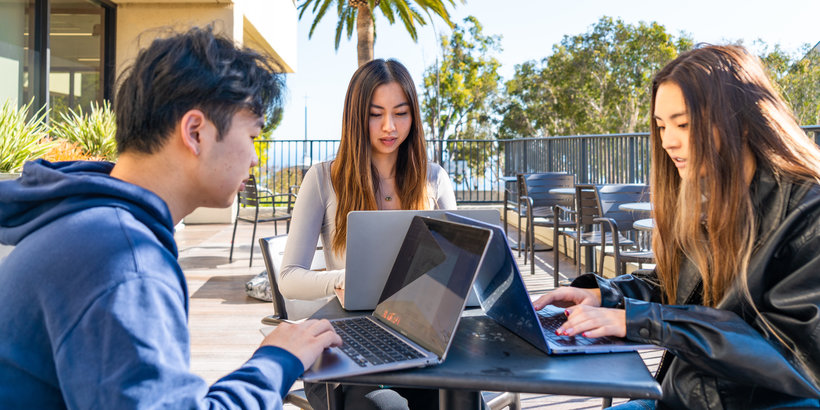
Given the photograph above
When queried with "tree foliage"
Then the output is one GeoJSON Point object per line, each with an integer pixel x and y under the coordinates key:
{"type": "Point", "coordinates": [459, 93]}
{"type": "Point", "coordinates": [798, 80]}
{"type": "Point", "coordinates": [595, 82]}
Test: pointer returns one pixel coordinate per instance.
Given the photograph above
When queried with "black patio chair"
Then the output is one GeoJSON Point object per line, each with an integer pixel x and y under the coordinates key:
{"type": "Point", "coordinates": [251, 197]}
{"type": "Point", "coordinates": [583, 235]}
{"type": "Point", "coordinates": [538, 204]}
{"type": "Point", "coordinates": [511, 196]}
{"type": "Point", "coordinates": [624, 247]}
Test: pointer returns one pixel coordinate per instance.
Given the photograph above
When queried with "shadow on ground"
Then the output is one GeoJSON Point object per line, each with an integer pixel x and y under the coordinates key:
{"type": "Point", "coordinates": [202, 262]}
{"type": "Point", "coordinates": [231, 289]}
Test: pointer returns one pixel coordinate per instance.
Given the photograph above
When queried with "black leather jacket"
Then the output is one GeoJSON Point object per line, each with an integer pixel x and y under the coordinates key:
{"type": "Point", "coordinates": [725, 357]}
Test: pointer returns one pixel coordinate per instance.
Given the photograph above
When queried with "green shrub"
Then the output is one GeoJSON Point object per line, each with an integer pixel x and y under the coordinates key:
{"type": "Point", "coordinates": [21, 140]}
{"type": "Point", "coordinates": [94, 132]}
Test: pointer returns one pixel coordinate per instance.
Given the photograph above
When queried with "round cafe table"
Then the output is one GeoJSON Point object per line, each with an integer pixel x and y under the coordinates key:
{"type": "Point", "coordinates": [647, 224]}
{"type": "Point", "coordinates": [636, 206]}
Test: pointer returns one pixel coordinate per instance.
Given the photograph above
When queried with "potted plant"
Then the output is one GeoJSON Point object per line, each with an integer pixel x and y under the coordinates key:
{"type": "Point", "coordinates": [92, 133]}
{"type": "Point", "coordinates": [21, 138]}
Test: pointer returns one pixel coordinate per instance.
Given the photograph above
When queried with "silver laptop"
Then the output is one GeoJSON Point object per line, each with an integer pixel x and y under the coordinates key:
{"type": "Point", "coordinates": [504, 298]}
{"type": "Point", "coordinates": [373, 241]}
{"type": "Point", "coordinates": [415, 324]}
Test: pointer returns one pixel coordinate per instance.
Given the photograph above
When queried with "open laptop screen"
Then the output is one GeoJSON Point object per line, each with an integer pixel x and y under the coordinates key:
{"type": "Point", "coordinates": [431, 279]}
{"type": "Point", "coordinates": [501, 291]}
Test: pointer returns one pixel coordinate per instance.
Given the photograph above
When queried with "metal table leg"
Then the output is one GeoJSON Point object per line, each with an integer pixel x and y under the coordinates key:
{"type": "Point", "coordinates": [459, 400]}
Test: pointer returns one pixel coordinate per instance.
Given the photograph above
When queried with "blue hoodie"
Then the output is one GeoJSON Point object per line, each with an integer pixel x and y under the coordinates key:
{"type": "Point", "coordinates": [95, 306]}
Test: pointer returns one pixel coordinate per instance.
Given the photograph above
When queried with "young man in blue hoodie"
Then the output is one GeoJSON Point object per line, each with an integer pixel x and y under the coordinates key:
{"type": "Point", "coordinates": [94, 304]}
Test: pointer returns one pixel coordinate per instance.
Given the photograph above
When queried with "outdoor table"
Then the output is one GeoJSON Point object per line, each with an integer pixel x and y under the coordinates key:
{"type": "Point", "coordinates": [636, 206]}
{"type": "Point", "coordinates": [647, 224]}
{"type": "Point", "coordinates": [484, 356]}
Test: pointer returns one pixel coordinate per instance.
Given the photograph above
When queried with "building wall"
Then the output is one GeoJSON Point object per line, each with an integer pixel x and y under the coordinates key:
{"type": "Point", "coordinates": [139, 23]}
{"type": "Point", "coordinates": [271, 26]}
{"type": "Point", "coordinates": [266, 25]}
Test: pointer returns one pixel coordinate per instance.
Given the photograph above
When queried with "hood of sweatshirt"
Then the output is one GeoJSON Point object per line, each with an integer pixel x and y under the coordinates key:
{"type": "Point", "coordinates": [47, 191]}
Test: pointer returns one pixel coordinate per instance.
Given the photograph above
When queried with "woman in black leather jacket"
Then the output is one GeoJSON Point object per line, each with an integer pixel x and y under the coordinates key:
{"type": "Point", "coordinates": [735, 295]}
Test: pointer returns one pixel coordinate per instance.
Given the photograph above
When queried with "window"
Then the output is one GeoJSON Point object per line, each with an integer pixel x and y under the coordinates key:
{"type": "Point", "coordinates": [56, 52]}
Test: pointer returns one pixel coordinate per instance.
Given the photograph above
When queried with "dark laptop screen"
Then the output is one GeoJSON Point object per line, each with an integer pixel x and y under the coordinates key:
{"type": "Point", "coordinates": [501, 291]}
{"type": "Point", "coordinates": [430, 280]}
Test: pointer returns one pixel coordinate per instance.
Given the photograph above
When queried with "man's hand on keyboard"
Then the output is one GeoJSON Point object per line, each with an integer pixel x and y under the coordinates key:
{"type": "Point", "coordinates": [305, 340]}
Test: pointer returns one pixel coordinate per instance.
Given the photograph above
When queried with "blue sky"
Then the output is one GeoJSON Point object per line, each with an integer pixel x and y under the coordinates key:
{"type": "Point", "coordinates": [529, 29]}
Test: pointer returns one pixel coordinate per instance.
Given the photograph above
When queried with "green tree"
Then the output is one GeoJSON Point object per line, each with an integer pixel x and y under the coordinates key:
{"type": "Point", "coordinates": [596, 82]}
{"type": "Point", "coordinates": [359, 14]}
{"type": "Point", "coordinates": [798, 79]}
{"type": "Point", "coordinates": [459, 93]}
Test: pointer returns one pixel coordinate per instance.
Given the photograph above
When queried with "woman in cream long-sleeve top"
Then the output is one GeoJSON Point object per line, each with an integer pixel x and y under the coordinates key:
{"type": "Point", "coordinates": [381, 164]}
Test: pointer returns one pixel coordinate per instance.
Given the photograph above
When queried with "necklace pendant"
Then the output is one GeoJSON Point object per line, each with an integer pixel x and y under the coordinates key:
{"type": "Point", "coordinates": [388, 198]}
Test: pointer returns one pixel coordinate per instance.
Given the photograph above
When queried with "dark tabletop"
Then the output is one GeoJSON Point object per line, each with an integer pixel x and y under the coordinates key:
{"type": "Point", "coordinates": [486, 356]}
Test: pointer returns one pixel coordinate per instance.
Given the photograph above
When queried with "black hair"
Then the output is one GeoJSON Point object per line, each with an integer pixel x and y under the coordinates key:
{"type": "Point", "coordinates": [197, 69]}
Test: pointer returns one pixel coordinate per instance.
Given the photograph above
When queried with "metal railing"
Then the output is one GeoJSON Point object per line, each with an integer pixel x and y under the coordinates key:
{"type": "Point", "coordinates": [476, 167]}
{"type": "Point", "coordinates": [594, 159]}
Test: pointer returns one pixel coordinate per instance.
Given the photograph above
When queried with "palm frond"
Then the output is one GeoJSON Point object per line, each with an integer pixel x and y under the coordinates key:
{"type": "Point", "coordinates": [406, 15]}
{"type": "Point", "coordinates": [384, 6]}
{"type": "Point", "coordinates": [411, 13]}
{"type": "Point", "coordinates": [351, 21]}
{"type": "Point", "coordinates": [319, 15]}
{"type": "Point", "coordinates": [347, 21]}
{"type": "Point", "coordinates": [437, 7]}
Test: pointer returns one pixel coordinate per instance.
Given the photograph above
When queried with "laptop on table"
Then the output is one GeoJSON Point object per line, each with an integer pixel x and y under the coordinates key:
{"type": "Point", "coordinates": [373, 241]}
{"type": "Point", "coordinates": [504, 298]}
{"type": "Point", "coordinates": [414, 324]}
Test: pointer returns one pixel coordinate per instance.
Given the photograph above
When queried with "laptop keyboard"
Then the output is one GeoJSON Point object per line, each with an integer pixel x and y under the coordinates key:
{"type": "Point", "coordinates": [551, 322]}
{"type": "Point", "coordinates": [368, 344]}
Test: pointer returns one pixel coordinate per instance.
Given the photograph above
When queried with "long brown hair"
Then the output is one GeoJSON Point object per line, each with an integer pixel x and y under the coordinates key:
{"type": "Point", "coordinates": [733, 110]}
{"type": "Point", "coordinates": [353, 175]}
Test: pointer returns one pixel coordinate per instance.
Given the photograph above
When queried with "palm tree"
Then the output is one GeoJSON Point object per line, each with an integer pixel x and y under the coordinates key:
{"type": "Point", "coordinates": [361, 11]}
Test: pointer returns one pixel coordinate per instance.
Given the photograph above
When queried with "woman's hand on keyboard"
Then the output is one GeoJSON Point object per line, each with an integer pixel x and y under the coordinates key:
{"type": "Point", "coordinates": [589, 321]}
{"type": "Point", "coordinates": [567, 296]}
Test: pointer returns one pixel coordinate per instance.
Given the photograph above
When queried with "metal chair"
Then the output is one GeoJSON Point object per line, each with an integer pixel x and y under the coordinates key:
{"type": "Point", "coordinates": [498, 401]}
{"type": "Point", "coordinates": [584, 214]}
{"type": "Point", "coordinates": [613, 220]}
{"type": "Point", "coordinates": [538, 205]}
{"type": "Point", "coordinates": [511, 196]}
{"type": "Point", "coordinates": [273, 248]}
{"type": "Point", "coordinates": [250, 197]}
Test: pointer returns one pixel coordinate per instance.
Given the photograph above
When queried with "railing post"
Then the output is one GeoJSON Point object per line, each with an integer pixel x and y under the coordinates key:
{"type": "Point", "coordinates": [441, 151]}
{"type": "Point", "coordinates": [550, 157]}
{"type": "Point", "coordinates": [583, 175]}
{"type": "Point", "coordinates": [632, 160]}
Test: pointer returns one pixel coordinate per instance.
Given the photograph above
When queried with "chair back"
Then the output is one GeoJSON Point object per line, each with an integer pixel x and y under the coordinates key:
{"type": "Point", "coordinates": [610, 198]}
{"type": "Point", "coordinates": [273, 249]}
{"type": "Point", "coordinates": [537, 187]}
{"type": "Point", "coordinates": [250, 195]}
{"type": "Point", "coordinates": [269, 246]}
{"type": "Point", "coordinates": [586, 207]}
